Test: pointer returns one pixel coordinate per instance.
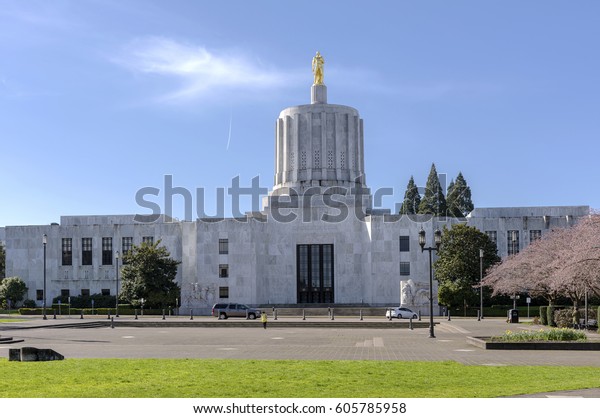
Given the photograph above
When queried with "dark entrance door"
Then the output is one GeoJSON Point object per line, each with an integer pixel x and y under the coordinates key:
{"type": "Point", "coordinates": [314, 272]}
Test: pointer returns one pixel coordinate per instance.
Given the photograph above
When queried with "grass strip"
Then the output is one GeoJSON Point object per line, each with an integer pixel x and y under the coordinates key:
{"type": "Point", "coordinates": [188, 378]}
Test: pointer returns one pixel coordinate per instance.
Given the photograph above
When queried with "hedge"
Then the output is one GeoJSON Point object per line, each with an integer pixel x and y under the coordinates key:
{"type": "Point", "coordinates": [544, 315]}
{"type": "Point", "coordinates": [88, 311]}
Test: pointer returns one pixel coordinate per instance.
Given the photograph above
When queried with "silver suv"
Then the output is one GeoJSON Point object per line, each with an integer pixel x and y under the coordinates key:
{"type": "Point", "coordinates": [225, 310]}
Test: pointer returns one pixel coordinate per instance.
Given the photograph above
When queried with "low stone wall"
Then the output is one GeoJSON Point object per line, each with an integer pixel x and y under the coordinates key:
{"type": "Point", "coordinates": [486, 344]}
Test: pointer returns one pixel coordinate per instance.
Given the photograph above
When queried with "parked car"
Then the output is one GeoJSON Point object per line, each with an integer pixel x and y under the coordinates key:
{"type": "Point", "coordinates": [400, 313]}
{"type": "Point", "coordinates": [226, 310]}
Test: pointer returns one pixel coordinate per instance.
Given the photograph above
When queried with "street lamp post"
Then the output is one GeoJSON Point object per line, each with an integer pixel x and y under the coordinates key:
{"type": "Point", "coordinates": [44, 241]}
{"type": "Point", "coordinates": [437, 238]}
{"type": "Point", "coordinates": [481, 283]}
{"type": "Point", "coordinates": [117, 301]}
{"type": "Point", "coordinates": [513, 239]}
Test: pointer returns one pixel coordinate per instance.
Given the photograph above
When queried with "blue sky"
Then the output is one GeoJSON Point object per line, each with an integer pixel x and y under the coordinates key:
{"type": "Point", "coordinates": [99, 99]}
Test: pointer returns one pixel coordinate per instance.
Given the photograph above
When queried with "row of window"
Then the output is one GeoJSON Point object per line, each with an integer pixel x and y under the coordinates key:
{"type": "Point", "coordinates": [66, 293]}
{"type": "Point", "coordinates": [87, 252]}
{"type": "Point", "coordinates": [513, 239]}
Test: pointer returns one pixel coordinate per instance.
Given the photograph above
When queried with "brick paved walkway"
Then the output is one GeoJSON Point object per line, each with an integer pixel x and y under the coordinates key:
{"type": "Point", "coordinates": [278, 342]}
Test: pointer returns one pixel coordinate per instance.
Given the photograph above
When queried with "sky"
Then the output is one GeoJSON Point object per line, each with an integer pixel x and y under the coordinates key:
{"type": "Point", "coordinates": [102, 99]}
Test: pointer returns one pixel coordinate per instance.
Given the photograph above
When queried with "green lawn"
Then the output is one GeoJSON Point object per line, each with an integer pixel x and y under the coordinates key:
{"type": "Point", "coordinates": [181, 378]}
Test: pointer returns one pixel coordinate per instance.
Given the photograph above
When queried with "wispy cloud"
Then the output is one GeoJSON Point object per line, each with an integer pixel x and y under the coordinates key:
{"type": "Point", "coordinates": [199, 71]}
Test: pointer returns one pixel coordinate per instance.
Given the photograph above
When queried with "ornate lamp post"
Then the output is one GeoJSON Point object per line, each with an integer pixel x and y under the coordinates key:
{"type": "Point", "coordinates": [480, 283]}
{"type": "Point", "coordinates": [44, 242]}
{"type": "Point", "coordinates": [117, 301]}
{"type": "Point", "coordinates": [437, 238]}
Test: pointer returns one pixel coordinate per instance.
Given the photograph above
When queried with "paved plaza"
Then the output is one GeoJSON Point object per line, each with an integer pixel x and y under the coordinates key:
{"type": "Point", "coordinates": [174, 338]}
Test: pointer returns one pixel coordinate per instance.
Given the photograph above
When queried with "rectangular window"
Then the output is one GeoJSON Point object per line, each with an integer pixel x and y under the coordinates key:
{"type": "Point", "coordinates": [107, 253]}
{"type": "Point", "coordinates": [513, 242]}
{"type": "Point", "coordinates": [126, 245]}
{"type": "Point", "coordinates": [224, 292]}
{"type": "Point", "coordinates": [328, 266]}
{"type": "Point", "coordinates": [64, 294]}
{"type": "Point", "coordinates": [224, 246]}
{"type": "Point", "coordinates": [404, 243]}
{"type": "Point", "coordinates": [315, 273]}
{"type": "Point", "coordinates": [105, 292]}
{"type": "Point", "coordinates": [303, 267]}
{"type": "Point", "coordinates": [67, 251]}
{"type": "Point", "coordinates": [39, 294]}
{"type": "Point", "coordinates": [534, 235]}
{"type": "Point", "coordinates": [86, 251]}
{"type": "Point", "coordinates": [223, 270]}
{"type": "Point", "coordinates": [493, 236]}
{"type": "Point", "coordinates": [148, 240]}
{"type": "Point", "coordinates": [85, 292]}
{"type": "Point", "coordinates": [404, 268]}
{"type": "Point", "coordinates": [315, 266]}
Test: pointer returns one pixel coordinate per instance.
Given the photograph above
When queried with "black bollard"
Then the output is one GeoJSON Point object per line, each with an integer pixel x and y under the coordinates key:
{"type": "Point", "coordinates": [135, 311]}
{"type": "Point", "coordinates": [55, 314]}
{"type": "Point", "coordinates": [303, 315]}
{"type": "Point", "coordinates": [191, 314]}
{"type": "Point", "coordinates": [112, 322]}
{"type": "Point", "coordinates": [81, 316]}
{"type": "Point", "coordinates": [332, 315]}
{"type": "Point", "coordinates": [478, 315]}
{"type": "Point", "coordinates": [419, 314]}
{"type": "Point", "coordinates": [410, 324]}
{"type": "Point", "coordinates": [448, 314]}
{"type": "Point", "coordinates": [275, 314]}
{"type": "Point", "coordinates": [360, 315]}
{"type": "Point", "coordinates": [163, 314]}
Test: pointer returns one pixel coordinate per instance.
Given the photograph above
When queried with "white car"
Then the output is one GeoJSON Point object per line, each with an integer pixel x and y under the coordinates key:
{"type": "Point", "coordinates": [400, 313]}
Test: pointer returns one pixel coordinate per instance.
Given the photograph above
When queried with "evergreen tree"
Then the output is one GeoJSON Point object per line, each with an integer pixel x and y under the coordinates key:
{"type": "Point", "coordinates": [457, 266]}
{"type": "Point", "coordinates": [149, 273]}
{"type": "Point", "coordinates": [412, 199]}
{"type": "Point", "coordinates": [433, 201]}
{"type": "Point", "coordinates": [459, 198]}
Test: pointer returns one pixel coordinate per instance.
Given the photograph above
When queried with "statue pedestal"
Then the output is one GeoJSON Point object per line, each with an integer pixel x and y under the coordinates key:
{"type": "Point", "coordinates": [318, 93]}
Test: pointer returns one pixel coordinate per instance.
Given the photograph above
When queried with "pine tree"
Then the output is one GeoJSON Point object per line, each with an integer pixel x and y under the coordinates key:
{"type": "Point", "coordinates": [412, 199]}
{"type": "Point", "coordinates": [459, 198]}
{"type": "Point", "coordinates": [433, 201]}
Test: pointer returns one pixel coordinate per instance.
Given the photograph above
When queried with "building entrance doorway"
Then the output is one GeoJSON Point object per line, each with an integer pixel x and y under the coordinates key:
{"type": "Point", "coordinates": [314, 271]}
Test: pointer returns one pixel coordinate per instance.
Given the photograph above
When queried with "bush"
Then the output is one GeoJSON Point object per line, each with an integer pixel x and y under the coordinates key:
{"type": "Point", "coordinates": [563, 318]}
{"type": "Point", "coordinates": [29, 303]}
{"type": "Point", "coordinates": [558, 334]}
{"type": "Point", "coordinates": [544, 315]}
{"type": "Point", "coordinates": [550, 316]}
{"type": "Point", "coordinates": [100, 301]}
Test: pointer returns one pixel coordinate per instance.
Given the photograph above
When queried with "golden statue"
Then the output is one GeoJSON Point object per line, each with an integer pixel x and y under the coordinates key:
{"type": "Point", "coordinates": [317, 68]}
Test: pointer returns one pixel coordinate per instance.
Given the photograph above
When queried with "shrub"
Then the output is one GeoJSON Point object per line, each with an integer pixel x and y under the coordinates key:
{"type": "Point", "coordinates": [563, 318]}
{"type": "Point", "coordinates": [544, 315]}
{"type": "Point", "coordinates": [29, 303]}
{"type": "Point", "coordinates": [100, 301]}
{"type": "Point", "coordinates": [550, 316]}
{"type": "Point", "coordinates": [557, 334]}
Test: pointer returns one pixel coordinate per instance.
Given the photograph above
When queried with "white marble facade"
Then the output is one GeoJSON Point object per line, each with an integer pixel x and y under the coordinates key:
{"type": "Point", "coordinates": [319, 150]}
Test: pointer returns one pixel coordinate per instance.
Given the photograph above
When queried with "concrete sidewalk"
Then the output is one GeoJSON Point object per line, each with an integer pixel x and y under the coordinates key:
{"type": "Point", "coordinates": [373, 340]}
